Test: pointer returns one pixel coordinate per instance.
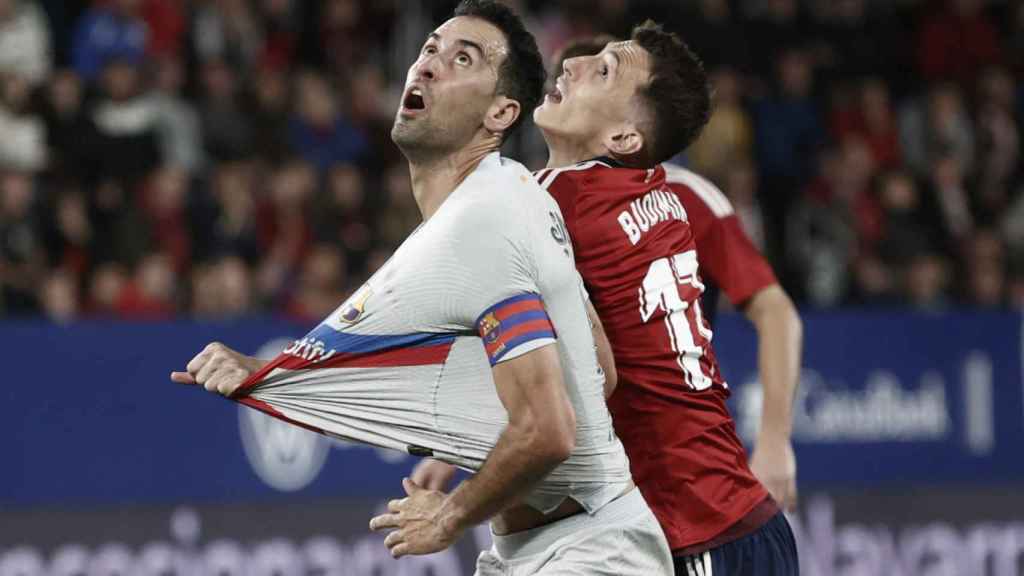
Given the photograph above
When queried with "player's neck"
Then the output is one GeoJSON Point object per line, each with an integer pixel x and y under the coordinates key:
{"type": "Point", "coordinates": [435, 178]}
{"type": "Point", "coordinates": [566, 152]}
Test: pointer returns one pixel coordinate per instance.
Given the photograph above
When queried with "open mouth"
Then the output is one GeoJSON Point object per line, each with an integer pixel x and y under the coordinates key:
{"type": "Point", "coordinates": [414, 100]}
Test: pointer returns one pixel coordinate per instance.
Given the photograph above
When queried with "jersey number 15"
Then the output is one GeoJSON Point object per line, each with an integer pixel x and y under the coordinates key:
{"type": "Point", "coordinates": [671, 284]}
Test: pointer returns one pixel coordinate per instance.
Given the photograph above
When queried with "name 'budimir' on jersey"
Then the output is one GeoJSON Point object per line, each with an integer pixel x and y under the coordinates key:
{"type": "Point", "coordinates": [644, 213]}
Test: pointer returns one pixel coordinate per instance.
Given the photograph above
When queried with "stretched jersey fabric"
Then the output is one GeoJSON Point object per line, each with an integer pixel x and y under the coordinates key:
{"type": "Point", "coordinates": [634, 247]}
{"type": "Point", "coordinates": [725, 255]}
{"type": "Point", "coordinates": [406, 362]}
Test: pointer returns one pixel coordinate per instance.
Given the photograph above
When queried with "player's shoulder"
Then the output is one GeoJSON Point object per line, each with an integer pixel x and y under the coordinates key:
{"type": "Point", "coordinates": [497, 197]}
{"type": "Point", "coordinates": [498, 183]}
{"type": "Point", "coordinates": [692, 187]}
{"type": "Point", "coordinates": [575, 176]}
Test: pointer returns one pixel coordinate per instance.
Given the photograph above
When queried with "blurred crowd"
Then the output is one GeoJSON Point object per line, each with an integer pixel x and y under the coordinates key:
{"type": "Point", "coordinates": [216, 158]}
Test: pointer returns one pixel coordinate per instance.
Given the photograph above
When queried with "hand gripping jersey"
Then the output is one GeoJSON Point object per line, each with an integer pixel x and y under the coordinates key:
{"type": "Point", "coordinates": [406, 362]}
{"type": "Point", "coordinates": [724, 253]}
{"type": "Point", "coordinates": [635, 249]}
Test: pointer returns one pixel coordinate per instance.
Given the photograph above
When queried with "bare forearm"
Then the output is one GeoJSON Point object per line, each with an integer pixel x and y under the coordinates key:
{"type": "Point", "coordinates": [780, 338]}
{"type": "Point", "coordinates": [513, 467]}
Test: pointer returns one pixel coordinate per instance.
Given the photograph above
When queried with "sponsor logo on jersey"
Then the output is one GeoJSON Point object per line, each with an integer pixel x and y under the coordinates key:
{"type": "Point", "coordinates": [490, 328]}
{"type": "Point", "coordinates": [655, 207]}
{"type": "Point", "coordinates": [559, 234]}
{"type": "Point", "coordinates": [353, 310]}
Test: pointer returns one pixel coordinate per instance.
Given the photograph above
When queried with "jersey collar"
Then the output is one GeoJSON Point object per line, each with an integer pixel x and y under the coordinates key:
{"type": "Point", "coordinates": [607, 161]}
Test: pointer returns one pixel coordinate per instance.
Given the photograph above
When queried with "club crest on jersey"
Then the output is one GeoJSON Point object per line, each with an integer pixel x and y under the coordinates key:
{"type": "Point", "coordinates": [353, 310]}
{"type": "Point", "coordinates": [490, 328]}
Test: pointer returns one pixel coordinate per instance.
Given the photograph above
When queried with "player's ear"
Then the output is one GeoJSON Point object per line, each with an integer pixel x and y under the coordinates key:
{"type": "Point", "coordinates": [501, 115]}
{"type": "Point", "coordinates": [624, 142]}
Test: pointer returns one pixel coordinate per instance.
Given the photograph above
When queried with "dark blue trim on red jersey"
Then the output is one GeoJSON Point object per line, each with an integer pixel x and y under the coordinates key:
{"type": "Point", "coordinates": [611, 162]}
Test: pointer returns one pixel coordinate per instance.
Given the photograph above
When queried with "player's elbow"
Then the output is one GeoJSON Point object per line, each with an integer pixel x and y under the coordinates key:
{"type": "Point", "coordinates": [771, 309]}
{"type": "Point", "coordinates": [787, 317]}
{"type": "Point", "coordinates": [554, 436]}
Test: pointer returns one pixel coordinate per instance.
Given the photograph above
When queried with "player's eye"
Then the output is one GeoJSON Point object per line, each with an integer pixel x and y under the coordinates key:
{"type": "Point", "coordinates": [463, 59]}
{"type": "Point", "coordinates": [429, 49]}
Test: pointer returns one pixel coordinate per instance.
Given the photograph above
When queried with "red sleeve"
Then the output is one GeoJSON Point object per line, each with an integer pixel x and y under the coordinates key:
{"type": "Point", "coordinates": [724, 253]}
{"type": "Point", "coordinates": [732, 260]}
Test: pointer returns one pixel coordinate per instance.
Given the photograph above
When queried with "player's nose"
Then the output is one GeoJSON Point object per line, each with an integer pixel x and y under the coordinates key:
{"type": "Point", "coordinates": [426, 69]}
{"type": "Point", "coordinates": [570, 66]}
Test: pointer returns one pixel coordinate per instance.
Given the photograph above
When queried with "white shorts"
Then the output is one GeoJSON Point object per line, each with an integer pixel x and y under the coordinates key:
{"type": "Point", "coordinates": [622, 539]}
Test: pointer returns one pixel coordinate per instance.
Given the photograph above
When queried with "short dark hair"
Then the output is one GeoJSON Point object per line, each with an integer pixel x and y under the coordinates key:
{"type": "Point", "coordinates": [521, 76]}
{"type": "Point", "coordinates": [678, 96]}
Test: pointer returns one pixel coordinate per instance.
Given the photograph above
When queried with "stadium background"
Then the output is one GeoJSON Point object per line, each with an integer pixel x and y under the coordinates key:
{"type": "Point", "coordinates": [177, 172]}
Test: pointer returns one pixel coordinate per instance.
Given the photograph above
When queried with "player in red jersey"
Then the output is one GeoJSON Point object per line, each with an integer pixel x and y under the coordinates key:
{"type": "Point", "coordinates": [731, 262]}
{"type": "Point", "coordinates": [629, 108]}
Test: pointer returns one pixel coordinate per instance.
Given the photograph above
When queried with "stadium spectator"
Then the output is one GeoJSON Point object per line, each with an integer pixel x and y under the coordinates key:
{"type": "Point", "coordinates": [163, 200]}
{"type": "Point", "coordinates": [109, 31]}
{"type": "Point", "coordinates": [284, 228]}
{"type": "Point", "coordinates": [99, 100]}
{"type": "Point", "coordinates": [728, 137]}
{"type": "Point", "coordinates": [934, 125]}
{"type": "Point", "coordinates": [948, 188]}
{"type": "Point", "coordinates": [23, 146]}
{"type": "Point", "coordinates": [398, 215]}
{"type": "Point", "coordinates": [66, 123]}
{"type": "Point", "coordinates": [870, 117]}
{"type": "Point", "coordinates": [776, 27]}
{"type": "Point", "coordinates": [956, 42]}
{"type": "Point", "coordinates": [165, 26]}
{"type": "Point", "coordinates": [927, 282]}
{"type": "Point", "coordinates": [342, 215]}
{"type": "Point", "coordinates": [123, 142]}
{"type": "Point", "coordinates": [998, 139]}
{"type": "Point", "coordinates": [321, 285]}
{"type": "Point", "coordinates": [59, 297]}
{"type": "Point", "coordinates": [228, 226]}
{"type": "Point", "coordinates": [22, 261]}
{"type": "Point", "coordinates": [715, 33]}
{"type": "Point", "coordinates": [788, 129]}
{"type": "Point", "coordinates": [228, 31]}
{"type": "Point", "coordinates": [105, 287]}
{"type": "Point", "coordinates": [270, 113]}
{"type": "Point", "coordinates": [227, 129]}
{"type": "Point", "coordinates": [177, 123]}
{"type": "Point", "coordinates": [319, 132]}
{"type": "Point", "coordinates": [151, 291]}
{"type": "Point", "coordinates": [821, 235]}
{"type": "Point", "coordinates": [25, 49]}
{"type": "Point", "coordinates": [69, 235]}
{"type": "Point", "coordinates": [854, 42]}
{"type": "Point", "coordinates": [986, 270]}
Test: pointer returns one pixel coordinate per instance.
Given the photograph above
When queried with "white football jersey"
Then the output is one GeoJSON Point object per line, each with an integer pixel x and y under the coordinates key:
{"type": "Point", "coordinates": [406, 362]}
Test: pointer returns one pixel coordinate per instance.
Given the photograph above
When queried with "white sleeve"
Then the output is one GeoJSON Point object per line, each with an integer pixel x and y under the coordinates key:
{"type": "Point", "coordinates": [497, 294]}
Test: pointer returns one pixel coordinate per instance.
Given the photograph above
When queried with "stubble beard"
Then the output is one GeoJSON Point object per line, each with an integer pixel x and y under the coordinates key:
{"type": "Point", "coordinates": [418, 139]}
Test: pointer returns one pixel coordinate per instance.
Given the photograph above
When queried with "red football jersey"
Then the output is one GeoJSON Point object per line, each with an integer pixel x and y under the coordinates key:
{"type": "Point", "coordinates": [724, 252]}
{"type": "Point", "coordinates": [634, 247]}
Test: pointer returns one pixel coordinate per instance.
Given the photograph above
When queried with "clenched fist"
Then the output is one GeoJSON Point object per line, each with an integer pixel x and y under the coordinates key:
{"type": "Point", "coordinates": [218, 369]}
